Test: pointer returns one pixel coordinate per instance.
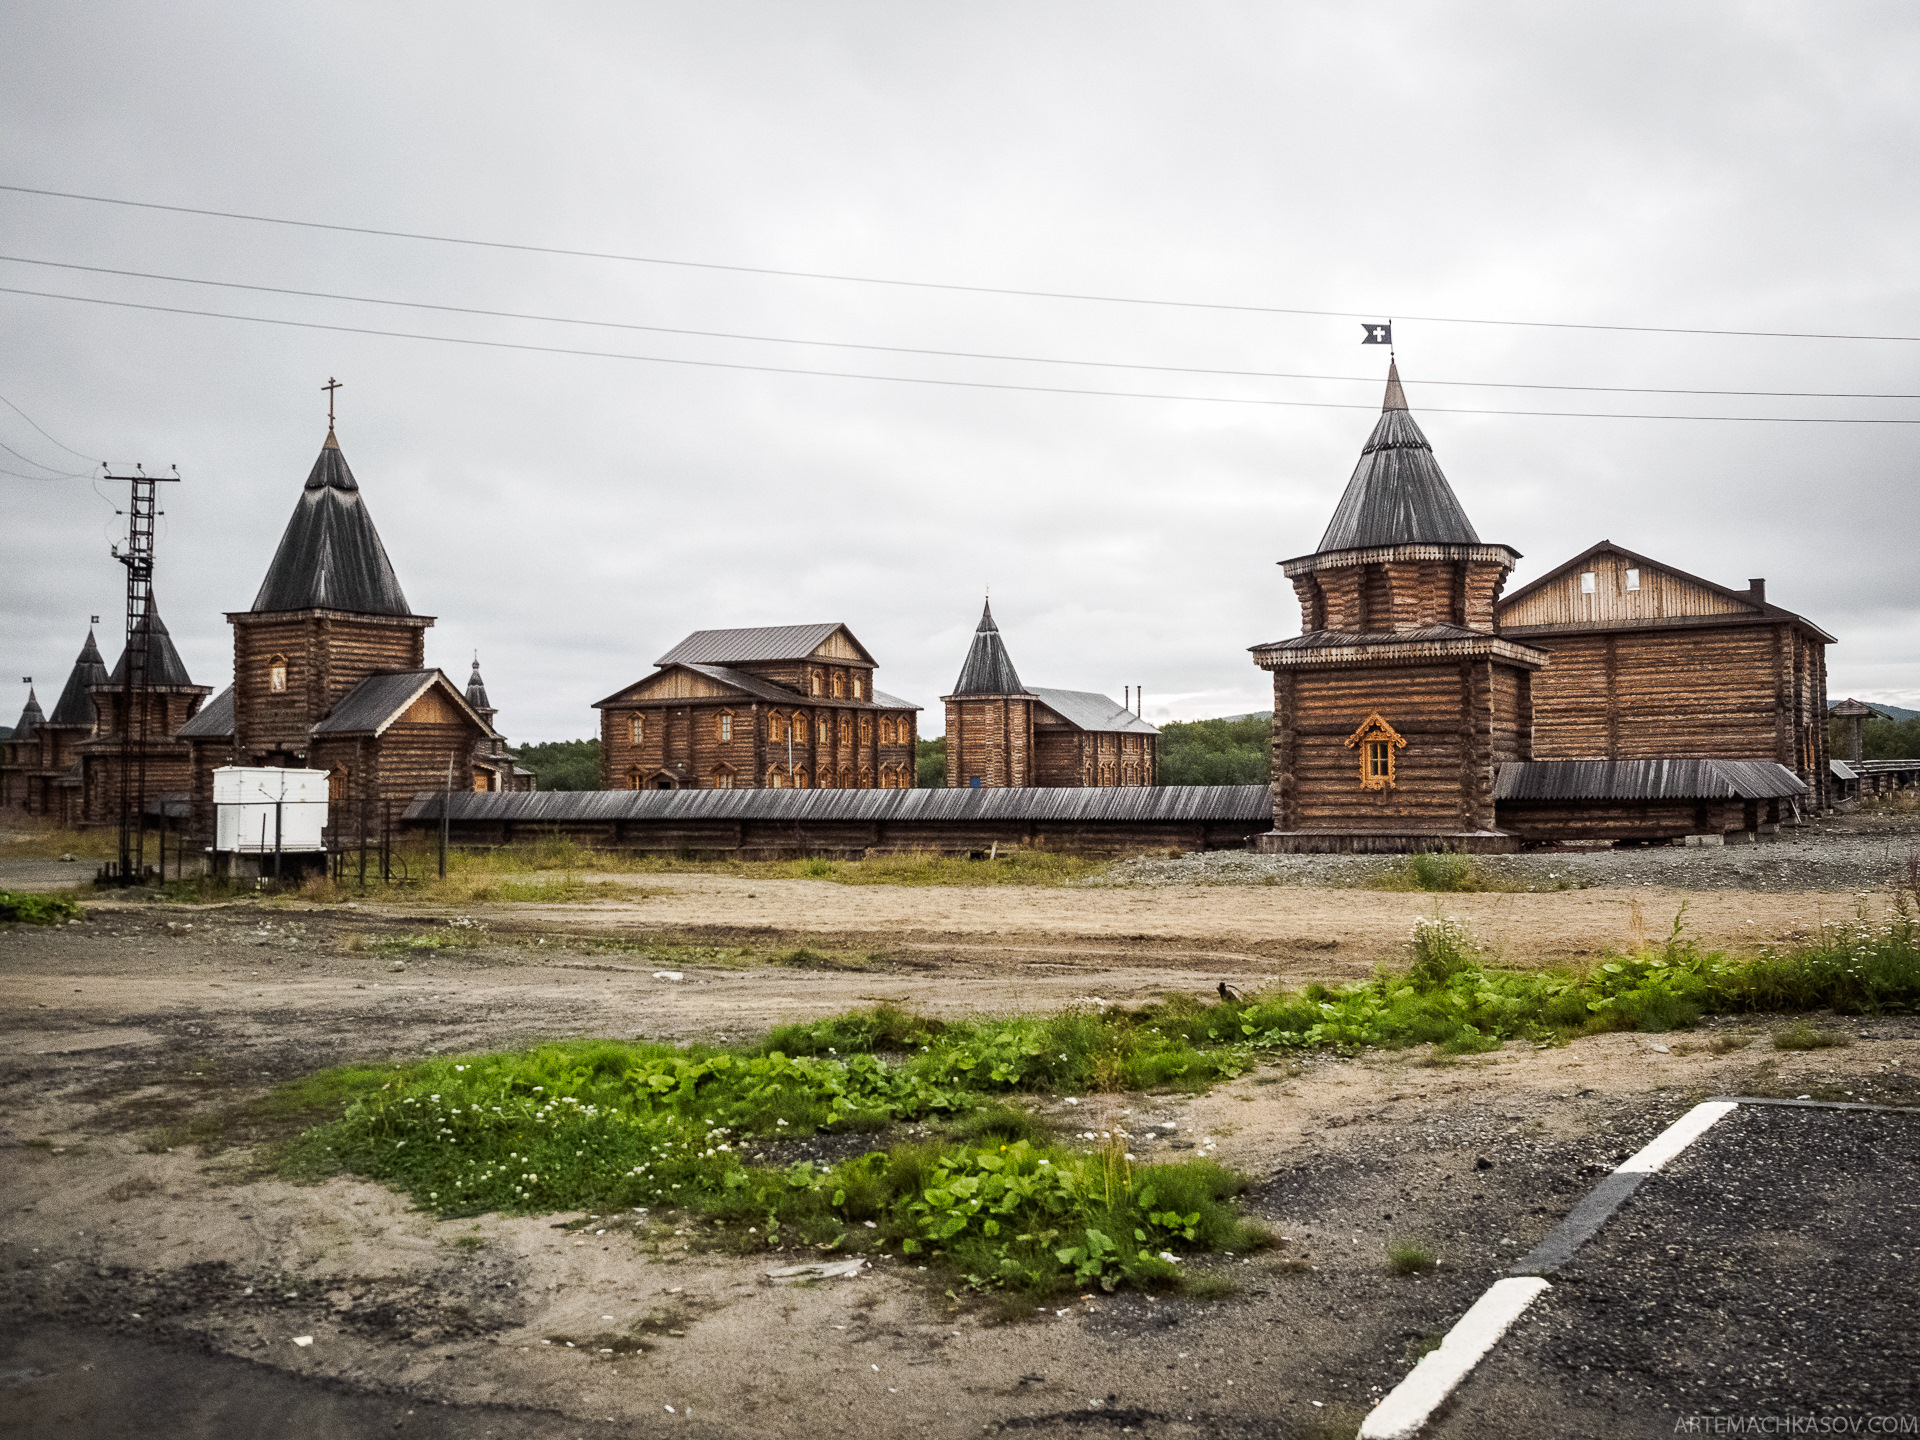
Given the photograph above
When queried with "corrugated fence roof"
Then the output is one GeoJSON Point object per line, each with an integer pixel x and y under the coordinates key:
{"type": "Point", "coordinates": [1646, 780]}
{"type": "Point", "coordinates": [1109, 803]}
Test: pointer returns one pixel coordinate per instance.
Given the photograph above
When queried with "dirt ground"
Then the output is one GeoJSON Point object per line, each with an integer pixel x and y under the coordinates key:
{"type": "Point", "coordinates": [148, 1260]}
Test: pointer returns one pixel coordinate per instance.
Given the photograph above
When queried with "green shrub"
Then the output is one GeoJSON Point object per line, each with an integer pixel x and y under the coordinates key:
{"type": "Point", "coordinates": [37, 909]}
{"type": "Point", "coordinates": [1802, 1036]}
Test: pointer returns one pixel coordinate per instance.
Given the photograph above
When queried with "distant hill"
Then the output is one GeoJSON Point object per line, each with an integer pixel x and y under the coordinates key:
{"type": "Point", "coordinates": [1898, 712]}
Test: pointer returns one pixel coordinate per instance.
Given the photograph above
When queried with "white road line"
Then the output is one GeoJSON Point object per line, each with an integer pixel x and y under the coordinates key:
{"type": "Point", "coordinates": [1676, 1137]}
{"type": "Point", "coordinates": [1415, 1398]}
{"type": "Point", "coordinates": [1411, 1403]}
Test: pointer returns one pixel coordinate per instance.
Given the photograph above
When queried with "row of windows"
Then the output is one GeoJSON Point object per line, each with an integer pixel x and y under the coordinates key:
{"type": "Point", "coordinates": [893, 730]}
{"type": "Point", "coordinates": [725, 777]}
{"type": "Point", "coordinates": [1589, 581]}
{"type": "Point", "coordinates": [817, 684]}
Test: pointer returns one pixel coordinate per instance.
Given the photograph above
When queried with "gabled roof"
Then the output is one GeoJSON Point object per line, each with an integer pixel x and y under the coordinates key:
{"type": "Point", "coordinates": [330, 557]}
{"type": "Point", "coordinates": [892, 702]}
{"type": "Point", "coordinates": [75, 706]}
{"type": "Point", "coordinates": [1851, 708]}
{"type": "Point", "coordinates": [379, 700]}
{"type": "Point", "coordinates": [1090, 710]}
{"type": "Point", "coordinates": [989, 669]}
{"type": "Point", "coordinates": [214, 721]}
{"type": "Point", "coordinates": [757, 643]}
{"type": "Point", "coordinates": [1397, 495]}
{"type": "Point", "coordinates": [30, 718]}
{"type": "Point", "coordinates": [477, 688]}
{"type": "Point", "coordinates": [747, 683]}
{"type": "Point", "coordinates": [165, 668]}
{"type": "Point", "coordinates": [1744, 598]}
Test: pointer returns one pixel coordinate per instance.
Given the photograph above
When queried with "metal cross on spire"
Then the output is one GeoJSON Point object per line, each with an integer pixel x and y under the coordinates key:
{"type": "Point", "coordinates": [331, 386]}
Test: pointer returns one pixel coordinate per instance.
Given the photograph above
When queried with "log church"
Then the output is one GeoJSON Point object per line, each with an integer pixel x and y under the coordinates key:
{"type": "Point", "coordinates": [1613, 699]}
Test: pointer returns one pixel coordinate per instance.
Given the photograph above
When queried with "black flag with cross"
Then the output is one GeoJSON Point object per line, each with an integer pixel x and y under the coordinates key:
{"type": "Point", "coordinates": [1378, 334]}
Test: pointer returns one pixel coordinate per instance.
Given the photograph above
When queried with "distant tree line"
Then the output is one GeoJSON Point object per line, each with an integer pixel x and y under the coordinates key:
{"type": "Point", "coordinates": [930, 764]}
{"type": "Point", "coordinates": [1880, 740]}
{"type": "Point", "coordinates": [564, 764]}
{"type": "Point", "coordinates": [1216, 752]}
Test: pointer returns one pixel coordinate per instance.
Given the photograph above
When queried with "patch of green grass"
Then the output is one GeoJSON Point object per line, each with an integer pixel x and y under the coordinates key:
{"type": "Point", "coordinates": [1802, 1036]}
{"type": "Point", "coordinates": [31, 908]}
{"type": "Point", "coordinates": [1439, 871]}
{"type": "Point", "coordinates": [608, 1126]}
{"type": "Point", "coordinates": [1209, 1285]}
{"type": "Point", "coordinates": [1408, 1257]}
{"type": "Point", "coordinates": [1008, 867]}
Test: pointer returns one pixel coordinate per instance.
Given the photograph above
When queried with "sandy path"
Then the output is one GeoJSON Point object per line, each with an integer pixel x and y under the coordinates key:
{"type": "Point", "coordinates": [1364, 925]}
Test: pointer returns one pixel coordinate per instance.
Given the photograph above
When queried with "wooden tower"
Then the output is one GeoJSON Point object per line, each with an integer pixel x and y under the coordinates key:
{"type": "Point", "coordinates": [1394, 706]}
{"type": "Point", "coordinates": [990, 716]}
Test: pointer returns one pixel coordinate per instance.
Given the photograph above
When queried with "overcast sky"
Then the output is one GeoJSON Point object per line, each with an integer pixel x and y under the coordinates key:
{"type": "Point", "coordinates": [1721, 166]}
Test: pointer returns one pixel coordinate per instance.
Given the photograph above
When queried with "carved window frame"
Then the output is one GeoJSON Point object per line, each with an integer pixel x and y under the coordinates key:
{"type": "Point", "coordinates": [723, 727]}
{"type": "Point", "coordinates": [1376, 741]}
{"type": "Point", "coordinates": [799, 728]}
{"type": "Point", "coordinates": [722, 777]}
{"type": "Point", "coordinates": [774, 722]}
{"type": "Point", "coordinates": [277, 674]}
{"type": "Point", "coordinates": [636, 730]}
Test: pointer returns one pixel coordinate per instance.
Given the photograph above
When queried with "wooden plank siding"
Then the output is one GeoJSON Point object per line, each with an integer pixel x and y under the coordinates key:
{"type": "Point", "coordinates": [991, 737]}
{"type": "Point", "coordinates": [682, 745]}
{"type": "Point", "coordinates": [327, 654]}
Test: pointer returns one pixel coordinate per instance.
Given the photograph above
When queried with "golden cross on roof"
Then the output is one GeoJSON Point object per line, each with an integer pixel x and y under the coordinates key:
{"type": "Point", "coordinates": [331, 386]}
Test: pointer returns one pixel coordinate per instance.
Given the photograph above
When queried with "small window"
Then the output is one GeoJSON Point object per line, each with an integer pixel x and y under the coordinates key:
{"type": "Point", "coordinates": [839, 684]}
{"type": "Point", "coordinates": [722, 777]}
{"type": "Point", "coordinates": [859, 688]}
{"type": "Point", "coordinates": [973, 782]}
{"type": "Point", "coordinates": [773, 726]}
{"type": "Point", "coordinates": [800, 729]}
{"type": "Point", "coordinates": [816, 686]}
{"type": "Point", "coordinates": [277, 675]}
{"type": "Point", "coordinates": [800, 779]}
{"type": "Point", "coordinates": [1587, 583]}
{"type": "Point", "coordinates": [1379, 756]}
{"type": "Point", "coordinates": [634, 781]}
{"type": "Point", "coordinates": [637, 729]}
{"type": "Point", "coordinates": [866, 727]}
{"type": "Point", "coordinates": [724, 726]}
{"type": "Point", "coordinates": [1376, 741]}
{"type": "Point", "coordinates": [775, 780]}
{"type": "Point", "coordinates": [1633, 579]}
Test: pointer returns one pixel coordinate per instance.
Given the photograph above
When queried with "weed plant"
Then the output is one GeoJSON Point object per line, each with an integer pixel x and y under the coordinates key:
{"type": "Point", "coordinates": [32, 908]}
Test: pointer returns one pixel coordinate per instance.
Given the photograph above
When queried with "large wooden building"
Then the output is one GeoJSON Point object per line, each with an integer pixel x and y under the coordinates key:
{"type": "Point", "coordinates": [1002, 734]}
{"type": "Point", "coordinates": [772, 707]}
{"type": "Point", "coordinates": [40, 775]}
{"type": "Point", "coordinates": [1611, 699]}
{"type": "Point", "coordinates": [1648, 661]}
{"type": "Point", "coordinates": [139, 731]}
{"type": "Point", "coordinates": [330, 673]}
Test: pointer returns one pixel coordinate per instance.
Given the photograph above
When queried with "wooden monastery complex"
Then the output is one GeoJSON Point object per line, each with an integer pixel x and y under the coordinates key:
{"type": "Point", "coordinates": [1616, 698]}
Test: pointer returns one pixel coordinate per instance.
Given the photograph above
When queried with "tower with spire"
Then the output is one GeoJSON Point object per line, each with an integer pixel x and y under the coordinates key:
{"type": "Point", "coordinates": [168, 701]}
{"type": "Point", "coordinates": [330, 672]}
{"type": "Point", "coordinates": [1399, 699]}
{"type": "Point", "coordinates": [1002, 733]}
{"type": "Point", "coordinates": [20, 755]}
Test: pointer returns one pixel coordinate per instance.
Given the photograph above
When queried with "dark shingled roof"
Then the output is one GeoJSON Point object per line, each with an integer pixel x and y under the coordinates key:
{"type": "Point", "coordinates": [214, 721]}
{"type": "Point", "coordinates": [1646, 780]}
{"type": "Point", "coordinates": [1089, 710]}
{"type": "Point", "coordinates": [75, 706]}
{"type": "Point", "coordinates": [164, 665]}
{"type": "Point", "coordinates": [30, 718]}
{"type": "Point", "coordinates": [961, 803]}
{"type": "Point", "coordinates": [1397, 495]}
{"type": "Point", "coordinates": [989, 669]}
{"type": "Point", "coordinates": [760, 642]}
{"type": "Point", "coordinates": [331, 557]}
{"type": "Point", "coordinates": [477, 688]}
{"type": "Point", "coordinates": [377, 701]}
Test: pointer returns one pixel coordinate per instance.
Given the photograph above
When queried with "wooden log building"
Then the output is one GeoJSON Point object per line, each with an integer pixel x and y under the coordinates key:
{"type": "Point", "coordinates": [1648, 662]}
{"type": "Point", "coordinates": [167, 701]}
{"type": "Point", "coordinates": [1002, 734]}
{"type": "Point", "coordinates": [40, 774]}
{"type": "Point", "coordinates": [1416, 710]}
{"type": "Point", "coordinates": [779, 707]}
{"type": "Point", "coordinates": [330, 673]}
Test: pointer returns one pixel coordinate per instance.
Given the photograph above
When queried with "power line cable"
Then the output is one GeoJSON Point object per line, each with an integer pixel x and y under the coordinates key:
{"type": "Point", "coordinates": [28, 459]}
{"type": "Point", "coordinates": [935, 284]}
{"type": "Point", "coordinates": [918, 379]}
{"type": "Point", "coordinates": [921, 350]}
{"type": "Point", "coordinates": [36, 425]}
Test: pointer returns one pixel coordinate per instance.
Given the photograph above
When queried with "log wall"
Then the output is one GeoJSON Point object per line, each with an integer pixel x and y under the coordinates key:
{"type": "Point", "coordinates": [993, 738]}
{"type": "Point", "coordinates": [681, 744]}
{"type": "Point", "coordinates": [327, 654]}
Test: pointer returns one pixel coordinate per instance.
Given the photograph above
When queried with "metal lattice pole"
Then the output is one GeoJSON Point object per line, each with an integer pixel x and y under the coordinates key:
{"type": "Point", "coordinates": [142, 507]}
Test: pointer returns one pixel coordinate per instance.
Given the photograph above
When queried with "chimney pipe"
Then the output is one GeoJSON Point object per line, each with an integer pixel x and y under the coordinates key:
{"type": "Point", "coordinates": [1758, 589]}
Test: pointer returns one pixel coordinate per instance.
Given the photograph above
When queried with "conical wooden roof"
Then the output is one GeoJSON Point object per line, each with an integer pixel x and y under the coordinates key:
{"type": "Point", "coordinates": [477, 689]}
{"type": "Point", "coordinates": [1397, 495]}
{"type": "Point", "coordinates": [30, 720]}
{"type": "Point", "coordinates": [164, 665]}
{"type": "Point", "coordinates": [75, 706]}
{"type": "Point", "coordinates": [989, 669]}
{"type": "Point", "coordinates": [330, 557]}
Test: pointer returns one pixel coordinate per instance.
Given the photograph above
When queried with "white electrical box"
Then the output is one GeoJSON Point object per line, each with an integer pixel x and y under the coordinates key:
{"type": "Point", "coordinates": [261, 809]}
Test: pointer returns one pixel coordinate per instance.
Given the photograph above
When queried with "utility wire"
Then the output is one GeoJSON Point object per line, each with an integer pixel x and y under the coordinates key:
{"type": "Point", "coordinates": [36, 425]}
{"type": "Point", "coordinates": [916, 379]}
{"type": "Point", "coordinates": [935, 284]}
{"type": "Point", "coordinates": [27, 459]}
{"type": "Point", "coordinates": [920, 350]}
